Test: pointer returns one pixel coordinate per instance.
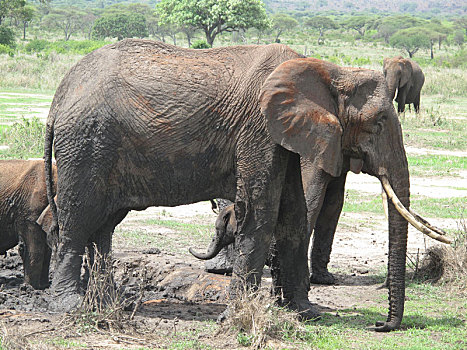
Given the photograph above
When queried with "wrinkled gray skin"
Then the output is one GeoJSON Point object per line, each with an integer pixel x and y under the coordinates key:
{"type": "Point", "coordinates": [405, 76]}
{"type": "Point", "coordinates": [141, 123]}
{"type": "Point", "coordinates": [221, 255]}
{"type": "Point", "coordinates": [23, 197]}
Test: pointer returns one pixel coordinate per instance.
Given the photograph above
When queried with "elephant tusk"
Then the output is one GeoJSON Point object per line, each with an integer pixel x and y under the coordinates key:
{"type": "Point", "coordinates": [408, 215]}
{"type": "Point", "coordinates": [427, 224]}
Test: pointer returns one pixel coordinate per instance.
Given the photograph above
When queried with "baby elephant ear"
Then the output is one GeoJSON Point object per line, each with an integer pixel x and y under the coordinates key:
{"type": "Point", "coordinates": [300, 110]}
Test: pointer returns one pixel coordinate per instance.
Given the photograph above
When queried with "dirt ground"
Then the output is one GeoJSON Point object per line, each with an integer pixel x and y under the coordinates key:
{"type": "Point", "coordinates": [178, 295]}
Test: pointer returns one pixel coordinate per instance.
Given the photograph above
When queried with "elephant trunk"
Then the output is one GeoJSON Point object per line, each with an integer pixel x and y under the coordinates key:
{"type": "Point", "coordinates": [213, 249]}
{"type": "Point", "coordinates": [394, 171]}
{"type": "Point", "coordinates": [226, 227]}
{"type": "Point", "coordinates": [393, 83]}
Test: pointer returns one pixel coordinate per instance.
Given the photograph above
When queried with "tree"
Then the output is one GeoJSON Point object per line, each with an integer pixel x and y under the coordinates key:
{"type": "Point", "coordinates": [25, 15]}
{"type": "Point", "coordinates": [461, 23]}
{"type": "Point", "coordinates": [7, 6]}
{"type": "Point", "coordinates": [388, 26]}
{"type": "Point", "coordinates": [321, 23]}
{"type": "Point", "coordinates": [359, 23]}
{"type": "Point", "coordinates": [214, 16]}
{"type": "Point", "coordinates": [189, 32]}
{"type": "Point", "coordinates": [70, 20]}
{"type": "Point", "coordinates": [459, 37]}
{"type": "Point", "coordinates": [281, 23]}
{"type": "Point", "coordinates": [411, 40]}
{"type": "Point", "coordinates": [7, 36]}
{"type": "Point", "coordinates": [120, 26]}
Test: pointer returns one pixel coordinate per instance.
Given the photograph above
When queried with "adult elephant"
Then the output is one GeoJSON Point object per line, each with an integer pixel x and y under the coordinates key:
{"type": "Point", "coordinates": [23, 198]}
{"type": "Point", "coordinates": [405, 76]}
{"type": "Point", "coordinates": [140, 123]}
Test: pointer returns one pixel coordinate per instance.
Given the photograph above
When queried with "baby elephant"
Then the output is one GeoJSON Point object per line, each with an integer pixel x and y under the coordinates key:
{"type": "Point", "coordinates": [23, 197]}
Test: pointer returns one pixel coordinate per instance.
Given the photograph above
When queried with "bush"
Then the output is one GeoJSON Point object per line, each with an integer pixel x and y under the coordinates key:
{"type": "Point", "coordinates": [7, 36]}
{"type": "Point", "coordinates": [200, 44]}
{"type": "Point", "coordinates": [26, 139]}
{"type": "Point", "coordinates": [74, 47]}
{"type": "Point", "coordinates": [36, 45]}
{"type": "Point", "coordinates": [6, 50]}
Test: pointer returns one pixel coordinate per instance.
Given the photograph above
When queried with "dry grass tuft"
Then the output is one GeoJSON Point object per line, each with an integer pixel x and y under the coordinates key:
{"type": "Point", "coordinates": [258, 321]}
{"type": "Point", "coordinates": [448, 264]}
{"type": "Point", "coordinates": [103, 307]}
{"type": "Point", "coordinates": [18, 342]}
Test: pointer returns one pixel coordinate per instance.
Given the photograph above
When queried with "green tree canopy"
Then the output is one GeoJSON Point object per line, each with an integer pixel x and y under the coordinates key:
{"type": "Point", "coordinates": [388, 26]}
{"type": "Point", "coordinates": [7, 6]}
{"type": "Point", "coordinates": [7, 36]}
{"type": "Point", "coordinates": [411, 39]}
{"type": "Point", "coordinates": [461, 23]}
{"type": "Point", "coordinates": [320, 23]}
{"type": "Point", "coordinates": [214, 16]}
{"type": "Point", "coordinates": [67, 19]}
{"type": "Point", "coordinates": [120, 26]}
{"type": "Point", "coordinates": [25, 15]}
{"type": "Point", "coordinates": [359, 23]}
{"type": "Point", "coordinates": [282, 23]}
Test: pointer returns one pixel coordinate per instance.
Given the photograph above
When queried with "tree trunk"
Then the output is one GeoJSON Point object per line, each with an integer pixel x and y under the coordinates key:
{"type": "Point", "coordinates": [24, 30]}
{"type": "Point", "coordinates": [431, 49]}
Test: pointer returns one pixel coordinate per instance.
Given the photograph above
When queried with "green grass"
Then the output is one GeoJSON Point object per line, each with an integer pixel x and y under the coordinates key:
{"type": "Point", "coordinates": [429, 322]}
{"type": "Point", "coordinates": [67, 344]}
{"type": "Point", "coordinates": [447, 208]}
{"type": "Point", "coordinates": [436, 165]}
{"type": "Point", "coordinates": [431, 129]}
{"type": "Point", "coordinates": [188, 235]}
{"type": "Point", "coordinates": [358, 202]}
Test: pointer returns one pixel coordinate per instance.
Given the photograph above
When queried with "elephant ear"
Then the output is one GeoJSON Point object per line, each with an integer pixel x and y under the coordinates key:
{"type": "Point", "coordinates": [406, 72]}
{"type": "Point", "coordinates": [300, 107]}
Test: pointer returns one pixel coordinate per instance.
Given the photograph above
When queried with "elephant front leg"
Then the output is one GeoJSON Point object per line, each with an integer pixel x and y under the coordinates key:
{"type": "Point", "coordinates": [324, 230]}
{"type": "Point", "coordinates": [292, 240]}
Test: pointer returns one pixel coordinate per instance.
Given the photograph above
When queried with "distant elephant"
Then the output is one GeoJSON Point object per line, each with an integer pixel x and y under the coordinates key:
{"type": "Point", "coordinates": [23, 198]}
{"type": "Point", "coordinates": [141, 123]}
{"type": "Point", "coordinates": [405, 76]}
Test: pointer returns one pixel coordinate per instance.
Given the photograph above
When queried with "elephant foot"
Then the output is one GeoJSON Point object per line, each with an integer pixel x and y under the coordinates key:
{"type": "Point", "coordinates": [381, 326]}
{"type": "Point", "coordinates": [385, 285]}
{"type": "Point", "coordinates": [325, 277]}
{"type": "Point", "coordinates": [65, 302]}
{"type": "Point", "coordinates": [306, 311]}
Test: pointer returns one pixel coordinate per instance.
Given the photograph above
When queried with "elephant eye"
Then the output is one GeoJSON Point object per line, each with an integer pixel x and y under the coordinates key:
{"type": "Point", "coordinates": [380, 121]}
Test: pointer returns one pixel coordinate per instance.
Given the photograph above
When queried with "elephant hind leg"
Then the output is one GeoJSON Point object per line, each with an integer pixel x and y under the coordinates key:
{"type": "Point", "coordinates": [416, 104]}
{"type": "Point", "coordinates": [101, 241]}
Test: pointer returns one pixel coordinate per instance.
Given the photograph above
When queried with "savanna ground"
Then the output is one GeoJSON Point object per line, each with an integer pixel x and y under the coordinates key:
{"type": "Point", "coordinates": [177, 302]}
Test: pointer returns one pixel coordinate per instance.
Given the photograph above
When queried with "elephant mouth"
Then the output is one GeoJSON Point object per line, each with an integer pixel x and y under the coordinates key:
{"type": "Point", "coordinates": [356, 165]}
{"type": "Point", "coordinates": [412, 218]}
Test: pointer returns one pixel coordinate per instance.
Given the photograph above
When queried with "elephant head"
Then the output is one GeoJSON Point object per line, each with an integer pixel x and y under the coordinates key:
{"type": "Point", "coordinates": [328, 113]}
{"type": "Point", "coordinates": [398, 72]}
{"type": "Point", "coordinates": [226, 228]}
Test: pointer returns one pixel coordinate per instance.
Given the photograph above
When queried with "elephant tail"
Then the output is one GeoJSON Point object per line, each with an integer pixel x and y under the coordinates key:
{"type": "Point", "coordinates": [52, 233]}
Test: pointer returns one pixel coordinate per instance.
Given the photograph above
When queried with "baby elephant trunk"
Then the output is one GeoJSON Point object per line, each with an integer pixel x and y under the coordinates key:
{"type": "Point", "coordinates": [226, 227]}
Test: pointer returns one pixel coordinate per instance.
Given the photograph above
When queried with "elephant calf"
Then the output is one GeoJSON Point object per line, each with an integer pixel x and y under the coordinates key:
{"type": "Point", "coordinates": [23, 197]}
